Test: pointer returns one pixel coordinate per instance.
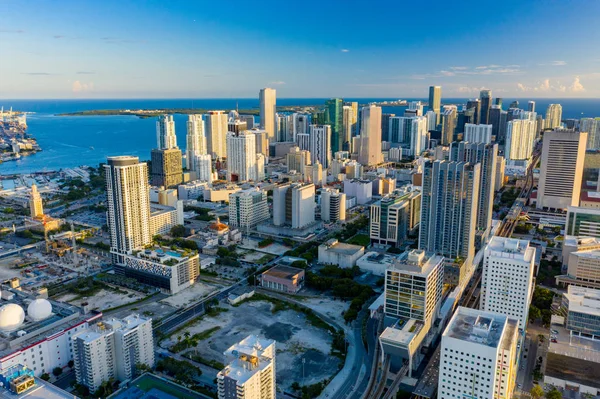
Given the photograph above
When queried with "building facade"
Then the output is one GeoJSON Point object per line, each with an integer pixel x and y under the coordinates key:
{"type": "Point", "coordinates": [167, 169]}
{"type": "Point", "coordinates": [370, 136]}
{"type": "Point", "coordinates": [248, 208]}
{"type": "Point", "coordinates": [165, 132]}
{"type": "Point", "coordinates": [268, 111]}
{"type": "Point", "coordinates": [241, 157]}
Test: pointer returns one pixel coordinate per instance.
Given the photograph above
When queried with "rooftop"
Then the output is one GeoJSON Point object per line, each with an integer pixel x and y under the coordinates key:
{"type": "Point", "coordinates": [477, 326]}
{"type": "Point", "coordinates": [342, 248]}
{"type": "Point", "coordinates": [567, 368]}
{"type": "Point", "coordinates": [249, 356]}
{"type": "Point", "coordinates": [402, 332]}
{"type": "Point", "coordinates": [510, 248]}
{"type": "Point", "coordinates": [591, 196]}
{"type": "Point", "coordinates": [168, 257]}
{"type": "Point", "coordinates": [416, 262]}
{"type": "Point", "coordinates": [579, 241]}
{"type": "Point", "coordinates": [150, 386]}
{"type": "Point", "coordinates": [285, 272]}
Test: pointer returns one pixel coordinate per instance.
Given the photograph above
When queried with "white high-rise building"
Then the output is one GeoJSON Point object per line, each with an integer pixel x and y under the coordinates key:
{"type": "Point", "coordinates": [203, 168]}
{"type": "Point", "coordinates": [241, 157]}
{"type": "Point", "coordinates": [268, 112]}
{"type": "Point", "coordinates": [370, 136]}
{"type": "Point", "coordinates": [285, 130]}
{"type": "Point", "coordinates": [478, 357]}
{"type": "Point", "coordinates": [112, 349]}
{"type": "Point", "coordinates": [507, 281]}
{"type": "Point", "coordinates": [520, 137]}
{"type": "Point", "coordinates": [553, 116]}
{"type": "Point", "coordinates": [563, 156]}
{"type": "Point", "coordinates": [478, 133]}
{"type": "Point", "coordinates": [320, 144]}
{"type": "Point", "coordinates": [303, 140]}
{"type": "Point", "coordinates": [410, 132]}
{"type": "Point", "coordinates": [431, 120]}
{"type": "Point", "coordinates": [128, 201]}
{"type": "Point", "coordinates": [195, 141]}
{"type": "Point", "coordinates": [300, 123]}
{"type": "Point", "coordinates": [333, 205]}
{"type": "Point", "coordinates": [592, 127]}
{"type": "Point", "coordinates": [248, 208]}
{"type": "Point", "coordinates": [165, 132]}
{"type": "Point", "coordinates": [250, 372]}
{"type": "Point", "coordinates": [216, 132]}
{"type": "Point", "coordinates": [294, 205]}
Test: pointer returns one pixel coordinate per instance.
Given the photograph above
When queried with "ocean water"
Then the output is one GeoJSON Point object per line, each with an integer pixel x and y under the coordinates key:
{"type": "Point", "coordinates": [70, 141]}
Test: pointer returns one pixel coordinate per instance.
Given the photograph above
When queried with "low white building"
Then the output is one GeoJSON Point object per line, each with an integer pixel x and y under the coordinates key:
{"type": "Point", "coordinates": [344, 255]}
{"type": "Point", "coordinates": [375, 263]}
{"type": "Point", "coordinates": [361, 189]}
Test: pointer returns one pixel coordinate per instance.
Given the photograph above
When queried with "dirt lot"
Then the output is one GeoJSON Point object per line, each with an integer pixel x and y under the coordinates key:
{"type": "Point", "coordinates": [296, 340]}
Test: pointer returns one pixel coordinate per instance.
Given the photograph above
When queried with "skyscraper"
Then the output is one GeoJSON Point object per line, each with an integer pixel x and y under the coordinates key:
{"type": "Point", "coordinates": [268, 112]}
{"type": "Point", "coordinates": [563, 155]}
{"type": "Point", "coordinates": [475, 105]}
{"type": "Point", "coordinates": [334, 118]}
{"type": "Point", "coordinates": [487, 156]}
{"type": "Point", "coordinates": [531, 106]}
{"type": "Point", "coordinates": [370, 136]}
{"type": "Point", "coordinates": [348, 127]}
{"type": "Point", "coordinates": [495, 121]}
{"type": "Point", "coordinates": [165, 132]}
{"type": "Point", "coordinates": [385, 126]}
{"type": "Point", "coordinates": [553, 116]}
{"type": "Point", "coordinates": [471, 337]}
{"type": "Point", "coordinates": [216, 131]}
{"type": "Point", "coordinates": [128, 202]}
{"type": "Point", "coordinates": [241, 157]}
{"type": "Point", "coordinates": [486, 103]}
{"type": "Point", "coordinates": [410, 132]}
{"type": "Point", "coordinates": [333, 205]}
{"type": "Point", "coordinates": [520, 136]}
{"type": "Point", "coordinates": [354, 106]}
{"type": "Point", "coordinates": [435, 101]}
{"type": "Point", "coordinates": [449, 208]}
{"type": "Point", "coordinates": [592, 127]}
{"type": "Point", "coordinates": [507, 281]}
{"type": "Point", "coordinates": [36, 208]}
{"type": "Point", "coordinates": [320, 144]}
{"type": "Point", "coordinates": [448, 124]}
{"type": "Point", "coordinates": [294, 205]}
{"type": "Point", "coordinates": [195, 142]}
{"type": "Point", "coordinates": [250, 372]}
{"type": "Point", "coordinates": [478, 133]}
{"type": "Point", "coordinates": [167, 168]}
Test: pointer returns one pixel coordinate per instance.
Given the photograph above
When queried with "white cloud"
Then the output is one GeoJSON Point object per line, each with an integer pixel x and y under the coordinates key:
{"type": "Point", "coordinates": [559, 63]}
{"type": "Point", "coordinates": [79, 87]}
{"type": "Point", "coordinates": [577, 87]}
{"type": "Point", "coordinates": [459, 68]}
{"type": "Point", "coordinates": [277, 82]}
{"type": "Point", "coordinates": [345, 50]}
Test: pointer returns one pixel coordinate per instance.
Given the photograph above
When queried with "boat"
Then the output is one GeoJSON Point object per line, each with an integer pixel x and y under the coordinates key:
{"type": "Point", "coordinates": [92, 148]}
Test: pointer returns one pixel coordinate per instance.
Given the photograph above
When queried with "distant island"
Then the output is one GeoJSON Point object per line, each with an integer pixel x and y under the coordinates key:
{"type": "Point", "coordinates": [150, 113]}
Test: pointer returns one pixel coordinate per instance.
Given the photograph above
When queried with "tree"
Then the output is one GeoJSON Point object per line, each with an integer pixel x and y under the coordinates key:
{"type": "Point", "coordinates": [45, 376]}
{"type": "Point", "coordinates": [554, 394]}
{"type": "Point", "coordinates": [296, 386]}
{"type": "Point", "coordinates": [536, 392]}
{"type": "Point", "coordinates": [534, 313]}
{"type": "Point", "coordinates": [546, 317]}
{"type": "Point", "coordinates": [177, 231]}
{"type": "Point", "coordinates": [57, 371]}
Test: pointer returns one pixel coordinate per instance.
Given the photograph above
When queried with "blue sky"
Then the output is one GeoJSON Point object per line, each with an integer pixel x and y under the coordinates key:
{"type": "Point", "coordinates": [207, 49]}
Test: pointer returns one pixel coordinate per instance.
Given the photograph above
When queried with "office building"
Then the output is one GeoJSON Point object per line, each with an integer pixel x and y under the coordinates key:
{"type": "Point", "coordinates": [485, 97]}
{"type": "Point", "coordinates": [497, 116]}
{"type": "Point", "coordinates": [531, 106]}
{"type": "Point", "coordinates": [236, 125]}
{"type": "Point", "coordinates": [487, 156]}
{"type": "Point", "coordinates": [249, 119]}
{"type": "Point", "coordinates": [553, 116]}
{"type": "Point", "coordinates": [262, 142]}
{"type": "Point", "coordinates": [284, 128]}
{"type": "Point", "coordinates": [294, 205]}
{"type": "Point", "coordinates": [520, 137]}
{"type": "Point", "coordinates": [241, 157]}
{"type": "Point", "coordinates": [361, 189]}
{"type": "Point", "coordinates": [268, 112]}
{"type": "Point", "coordinates": [582, 257]}
{"type": "Point", "coordinates": [334, 118]}
{"type": "Point", "coordinates": [413, 286]}
{"type": "Point", "coordinates": [582, 306]}
{"type": "Point", "coordinates": [472, 337]}
{"type": "Point", "coordinates": [354, 120]}
{"type": "Point", "coordinates": [167, 170]}
{"type": "Point", "coordinates": [36, 208]}
{"type": "Point", "coordinates": [348, 127]}
{"type": "Point", "coordinates": [320, 144]}
{"type": "Point", "coordinates": [475, 107]}
{"type": "Point", "coordinates": [111, 350]}
{"type": "Point", "coordinates": [297, 160]}
{"type": "Point", "coordinates": [247, 208]}
{"type": "Point", "coordinates": [385, 126]}
{"type": "Point", "coordinates": [333, 205]}
{"type": "Point", "coordinates": [449, 115]}
{"type": "Point", "coordinates": [283, 278]}
{"type": "Point", "coordinates": [435, 101]}
{"type": "Point", "coordinates": [582, 222]}
{"type": "Point", "coordinates": [370, 136]}
{"type": "Point", "coordinates": [431, 120]}
{"type": "Point", "coordinates": [478, 133]}
{"type": "Point", "coordinates": [563, 154]}
{"type": "Point", "coordinates": [507, 280]}
{"type": "Point", "coordinates": [592, 127]}
{"type": "Point", "coordinates": [300, 124]}
{"type": "Point", "coordinates": [393, 217]}
{"type": "Point", "coordinates": [165, 132]}
{"type": "Point", "coordinates": [250, 370]}
{"type": "Point", "coordinates": [449, 208]}
{"type": "Point", "coordinates": [128, 202]}
{"type": "Point", "coordinates": [216, 133]}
